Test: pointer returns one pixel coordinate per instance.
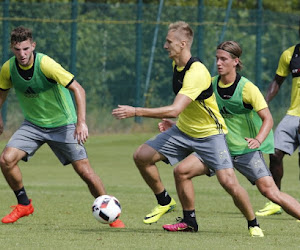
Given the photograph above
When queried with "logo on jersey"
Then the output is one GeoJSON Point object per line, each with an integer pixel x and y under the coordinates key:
{"type": "Point", "coordinates": [225, 113]}
{"type": "Point", "coordinates": [29, 93]}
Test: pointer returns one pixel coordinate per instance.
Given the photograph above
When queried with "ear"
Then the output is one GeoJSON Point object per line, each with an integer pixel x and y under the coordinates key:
{"type": "Point", "coordinates": [236, 61]}
{"type": "Point", "coordinates": [183, 44]}
{"type": "Point", "coordinates": [33, 45]}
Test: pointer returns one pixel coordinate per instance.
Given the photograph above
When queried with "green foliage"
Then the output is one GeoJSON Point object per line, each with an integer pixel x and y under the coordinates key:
{"type": "Point", "coordinates": [63, 217]}
{"type": "Point", "coordinates": [106, 43]}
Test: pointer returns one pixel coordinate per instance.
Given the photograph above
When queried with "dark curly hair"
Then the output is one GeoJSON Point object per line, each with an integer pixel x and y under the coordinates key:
{"type": "Point", "coordinates": [20, 34]}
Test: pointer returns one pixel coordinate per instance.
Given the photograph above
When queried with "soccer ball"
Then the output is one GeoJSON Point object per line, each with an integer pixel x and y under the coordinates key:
{"type": "Point", "coordinates": [106, 209]}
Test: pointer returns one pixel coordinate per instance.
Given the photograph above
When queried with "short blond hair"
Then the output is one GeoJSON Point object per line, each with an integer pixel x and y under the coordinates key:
{"type": "Point", "coordinates": [184, 29]}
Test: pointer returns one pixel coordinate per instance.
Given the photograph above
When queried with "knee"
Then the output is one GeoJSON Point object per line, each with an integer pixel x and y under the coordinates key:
{"type": "Point", "coordinates": [142, 156]}
{"type": "Point", "coordinates": [137, 156]}
{"type": "Point", "coordinates": [179, 174]}
{"type": "Point", "coordinates": [231, 188]}
{"type": "Point", "coordinates": [6, 160]}
{"type": "Point", "coordinates": [230, 184]}
{"type": "Point", "coordinates": [84, 169]}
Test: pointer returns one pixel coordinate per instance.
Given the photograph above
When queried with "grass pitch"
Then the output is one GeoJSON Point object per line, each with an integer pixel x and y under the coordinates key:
{"type": "Point", "coordinates": [63, 218]}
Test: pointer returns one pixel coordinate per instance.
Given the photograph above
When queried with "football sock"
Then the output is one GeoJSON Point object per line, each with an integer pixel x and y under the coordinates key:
{"type": "Point", "coordinates": [22, 196]}
{"type": "Point", "coordinates": [163, 198]}
{"type": "Point", "coordinates": [253, 223]}
{"type": "Point", "coordinates": [189, 216]}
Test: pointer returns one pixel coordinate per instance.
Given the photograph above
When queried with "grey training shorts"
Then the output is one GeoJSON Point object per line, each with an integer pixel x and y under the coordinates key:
{"type": "Point", "coordinates": [176, 145]}
{"type": "Point", "coordinates": [287, 137]}
{"type": "Point", "coordinates": [29, 138]}
{"type": "Point", "coordinates": [251, 165]}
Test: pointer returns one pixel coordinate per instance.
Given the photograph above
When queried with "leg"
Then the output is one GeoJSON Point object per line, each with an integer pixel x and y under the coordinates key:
{"type": "Point", "coordinates": [86, 172]}
{"type": "Point", "coordinates": [229, 182]}
{"type": "Point", "coordinates": [276, 166]}
{"type": "Point", "coordinates": [183, 174]}
{"type": "Point", "coordinates": [11, 171]}
{"type": "Point", "coordinates": [145, 158]}
{"type": "Point", "coordinates": [94, 183]}
{"type": "Point", "coordinates": [268, 188]}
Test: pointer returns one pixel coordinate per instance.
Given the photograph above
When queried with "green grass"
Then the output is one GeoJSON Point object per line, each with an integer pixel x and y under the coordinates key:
{"type": "Point", "coordinates": [63, 218]}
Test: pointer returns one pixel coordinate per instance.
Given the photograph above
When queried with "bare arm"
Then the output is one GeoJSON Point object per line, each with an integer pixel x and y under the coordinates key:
{"type": "Point", "coordinates": [3, 96]}
{"type": "Point", "coordinates": [81, 131]}
{"type": "Point", "coordinates": [171, 111]}
{"type": "Point", "coordinates": [274, 87]}
{"type": "Point", "coordinates": [267, 124]}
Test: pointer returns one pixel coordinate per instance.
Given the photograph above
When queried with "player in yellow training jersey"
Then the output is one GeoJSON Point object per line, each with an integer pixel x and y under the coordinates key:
{"type": "Point", "coordinates": [249, 124]}
{"type": "Point", "coordinates": [287, 133]}
{"type": "Point", "coordinates": [200, 128]}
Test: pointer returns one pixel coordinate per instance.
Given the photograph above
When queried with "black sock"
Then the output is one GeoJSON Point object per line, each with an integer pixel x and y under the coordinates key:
{"type": "Point", "coordinates": [253, 223]}
{"type": "Point", "coordinates": [22, 196]}
{"type": "Point", "coordinates": [189, 217]}
{"type": "Point", "coordinates": [163, 198]}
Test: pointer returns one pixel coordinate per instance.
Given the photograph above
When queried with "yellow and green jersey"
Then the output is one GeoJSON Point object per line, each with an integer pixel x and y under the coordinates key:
{"type": "Point", "coordinates": [44, 99]}
{"type": "Point", "coordinates": [239, 103]}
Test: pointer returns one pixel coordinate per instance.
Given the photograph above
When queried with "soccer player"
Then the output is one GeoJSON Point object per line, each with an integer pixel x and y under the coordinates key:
{"type": "Point", "coordinates": [249, 124]}
{"type": "Point", "coordinates": [200, 128]}
{"type": "Point", "coordinates": [287, 135]}
{"type": "Point", "coordinates": [43, 90]}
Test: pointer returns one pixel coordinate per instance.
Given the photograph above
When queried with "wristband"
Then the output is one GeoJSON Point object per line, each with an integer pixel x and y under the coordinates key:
{"type": "Point", "coordinates": [258, 141]}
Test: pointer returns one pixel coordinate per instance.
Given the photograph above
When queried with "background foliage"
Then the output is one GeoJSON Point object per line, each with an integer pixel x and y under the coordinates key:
{"type": "Point", "coordinates": [106, 41]}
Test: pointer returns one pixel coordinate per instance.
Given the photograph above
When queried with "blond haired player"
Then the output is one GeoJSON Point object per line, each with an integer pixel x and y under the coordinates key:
{"type": "Point", "coordinates": [200, 128]}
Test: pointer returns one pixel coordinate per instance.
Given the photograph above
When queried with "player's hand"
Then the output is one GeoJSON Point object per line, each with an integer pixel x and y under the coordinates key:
{"type": "Point", "coordinates": [252, 143]}
{"type": "Point", "coordinates": [124, 111]}
{"type": "Point", "coordinates": [81, 132]}
{"type": "Point", "coordinates": [165, 124]}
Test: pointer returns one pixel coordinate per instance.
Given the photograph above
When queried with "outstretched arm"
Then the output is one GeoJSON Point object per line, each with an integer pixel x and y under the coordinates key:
{"type": "Point", "coordinates": [81, 132]}
{"type": "Point", "coordinates": [171, 111]}
{"type": "Point", "coordinates": [274, 87]}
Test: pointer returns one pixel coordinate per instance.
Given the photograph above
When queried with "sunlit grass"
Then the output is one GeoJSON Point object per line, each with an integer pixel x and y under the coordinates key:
{"type": "Point", "coordinates": [63, 217]}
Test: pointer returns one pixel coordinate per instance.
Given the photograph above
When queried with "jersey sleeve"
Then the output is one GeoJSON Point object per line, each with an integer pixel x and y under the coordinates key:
{"type": "Point", "coordinates": [5, 82]}
{"type": "Point", "coordinates": [253, 96]}
{"type": "Point", "coordinates": [55, 71]}
{"type": "Point", "coordinates": [283, 68]}
{"type": "Point", "coordinates": [196, 80]}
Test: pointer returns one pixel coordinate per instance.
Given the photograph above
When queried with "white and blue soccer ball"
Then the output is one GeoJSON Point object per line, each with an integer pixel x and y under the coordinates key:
{"type": "Point", "coordinates": [106, 209]}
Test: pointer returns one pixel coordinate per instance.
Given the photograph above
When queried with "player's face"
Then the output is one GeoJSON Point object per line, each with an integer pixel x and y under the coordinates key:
{"type": "Point", "coordinates": [23, 51]}
{"type": "Point", "coordinates": [173, 45]}
{"type": "Point", "coordinates": [225, 63]}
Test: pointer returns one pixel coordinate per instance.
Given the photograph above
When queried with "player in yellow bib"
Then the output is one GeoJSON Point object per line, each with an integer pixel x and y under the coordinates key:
{"type": "Point", "coordinates": [200, 128]}
{"type": "Point", "coordinates": [249, 124]}
{"type": "Point", "coordinates": [287, 133]}
{"type": "Point", "coordinates": [43, 90]}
